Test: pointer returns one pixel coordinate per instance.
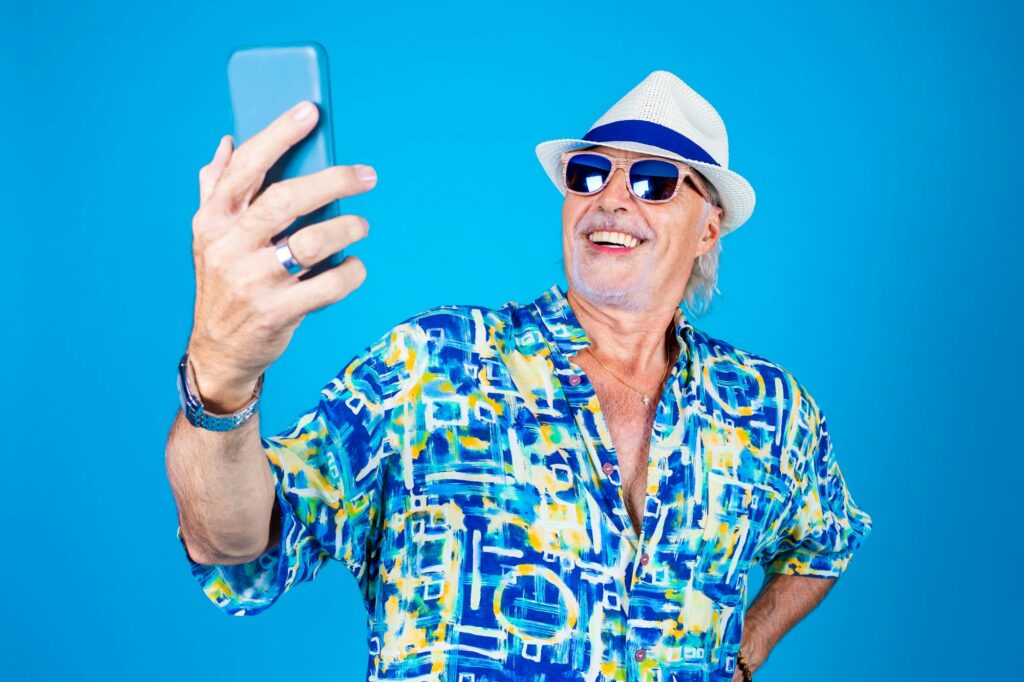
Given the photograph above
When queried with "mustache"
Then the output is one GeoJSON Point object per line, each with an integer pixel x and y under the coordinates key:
{"type": "Point", "coordinates": [602, 220]}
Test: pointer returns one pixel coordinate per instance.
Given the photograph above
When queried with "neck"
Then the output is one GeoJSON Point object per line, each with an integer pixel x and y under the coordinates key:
{"type": "Point", "coordinates": [635, 343]}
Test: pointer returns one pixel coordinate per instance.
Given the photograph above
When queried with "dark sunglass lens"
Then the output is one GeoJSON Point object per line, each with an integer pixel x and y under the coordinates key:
{"type": "Point", "coordinates": [654, 180]}
{"type": "Point", "coordinates": [586, 172]}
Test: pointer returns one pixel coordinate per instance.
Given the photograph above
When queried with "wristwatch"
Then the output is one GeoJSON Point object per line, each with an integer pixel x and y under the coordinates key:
{"type": "Point", "coordinates": [195, 412]}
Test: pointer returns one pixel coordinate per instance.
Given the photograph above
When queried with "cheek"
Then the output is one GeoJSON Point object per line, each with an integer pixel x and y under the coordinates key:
{"type": "Point", "coordinates": [678, 243]}
{"type": "Point", "coordinates": [572, 212]}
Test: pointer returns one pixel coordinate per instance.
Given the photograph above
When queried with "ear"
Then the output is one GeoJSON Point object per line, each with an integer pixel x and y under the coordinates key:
{"type": "Point", "coordinates": [712, 230]}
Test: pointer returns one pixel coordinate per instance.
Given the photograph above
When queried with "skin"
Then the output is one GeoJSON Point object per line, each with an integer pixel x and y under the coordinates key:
{"type": "Point", "coordinates": [626, 302]}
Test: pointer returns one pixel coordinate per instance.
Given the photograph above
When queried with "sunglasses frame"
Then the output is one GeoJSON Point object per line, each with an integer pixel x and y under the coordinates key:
{"type": "Point", "coordinates": [685, 175]}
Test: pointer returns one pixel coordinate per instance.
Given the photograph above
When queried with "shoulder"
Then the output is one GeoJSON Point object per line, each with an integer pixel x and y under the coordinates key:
{"type": "Point", "coordinates": [455, 317]}
{"type": "Point", "coordinates": [763, 390]}
{"type": "Point", "coordinates": [452, 327]}
{"type": "Point", "coordinates": [444, 340]}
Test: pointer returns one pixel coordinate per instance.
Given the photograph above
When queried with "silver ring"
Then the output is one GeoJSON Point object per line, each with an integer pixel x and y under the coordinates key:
{"type": "Point", "coordinates": [287, 258]}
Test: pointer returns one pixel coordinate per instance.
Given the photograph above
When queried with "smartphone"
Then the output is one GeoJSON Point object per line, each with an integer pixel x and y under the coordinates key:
{"type": "Point", "coordinates": [265, 81]}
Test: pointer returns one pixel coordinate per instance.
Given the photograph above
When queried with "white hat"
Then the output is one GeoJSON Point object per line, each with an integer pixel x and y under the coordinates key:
{"type": "Point", "coordinates": [664, 116]}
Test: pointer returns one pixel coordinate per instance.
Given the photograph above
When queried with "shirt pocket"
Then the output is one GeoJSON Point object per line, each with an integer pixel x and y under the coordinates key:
{"type": "Point", "coordinates": [737, 515]}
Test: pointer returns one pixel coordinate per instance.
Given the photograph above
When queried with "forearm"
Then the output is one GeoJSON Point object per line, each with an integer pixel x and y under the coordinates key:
{"type": "Point", "coordinates": [224, 491]}
{"type": "Point", "coordinates": [784, 600]}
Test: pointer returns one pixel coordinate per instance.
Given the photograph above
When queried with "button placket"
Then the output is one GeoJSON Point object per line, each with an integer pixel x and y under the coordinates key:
{"type": "Point", "coordinates": [571, 401]}
{"type": "Point", "coordinates": [579, 392]}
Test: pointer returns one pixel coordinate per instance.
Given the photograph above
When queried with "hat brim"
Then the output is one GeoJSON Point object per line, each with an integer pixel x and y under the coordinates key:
{"type": "Point", "coordinates": [736, 195]}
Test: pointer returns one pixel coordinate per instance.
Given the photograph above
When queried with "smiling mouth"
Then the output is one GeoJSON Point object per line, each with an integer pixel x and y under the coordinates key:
{"type": "Point", "coordinates": [618, 240]}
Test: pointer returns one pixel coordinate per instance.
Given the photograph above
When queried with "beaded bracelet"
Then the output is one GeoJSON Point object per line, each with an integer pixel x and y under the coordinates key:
{"type": "Point", "coordinates": [747, 675]}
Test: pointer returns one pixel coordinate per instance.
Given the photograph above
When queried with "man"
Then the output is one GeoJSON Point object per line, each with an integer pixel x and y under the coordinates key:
{"type": "Point", "coordinates": [574, 488]}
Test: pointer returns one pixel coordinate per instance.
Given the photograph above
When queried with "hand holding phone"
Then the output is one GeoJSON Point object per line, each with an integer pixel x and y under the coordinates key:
{"type": "Point", "coordinates": [247, 304]}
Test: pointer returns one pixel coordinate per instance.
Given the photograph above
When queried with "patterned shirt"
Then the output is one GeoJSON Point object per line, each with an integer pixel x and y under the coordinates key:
{"type": "Point", "coordinates": [462, 470]}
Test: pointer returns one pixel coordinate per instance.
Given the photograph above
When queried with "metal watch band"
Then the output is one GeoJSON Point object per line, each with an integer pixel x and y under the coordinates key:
{"type": "Point", "coordinates": [195, 412]}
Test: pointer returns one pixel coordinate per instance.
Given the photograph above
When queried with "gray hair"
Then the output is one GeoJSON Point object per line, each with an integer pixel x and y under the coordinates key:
{"type": "Point", "coordinates": [702, 285]}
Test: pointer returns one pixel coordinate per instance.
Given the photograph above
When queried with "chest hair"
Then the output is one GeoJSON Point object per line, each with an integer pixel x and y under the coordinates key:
{"type": "Point", "coordinates": [630, 423]}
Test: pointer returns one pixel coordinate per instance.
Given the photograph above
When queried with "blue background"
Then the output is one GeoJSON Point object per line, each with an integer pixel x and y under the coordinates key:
{"type": "Point", "coordinates": [880, 267]}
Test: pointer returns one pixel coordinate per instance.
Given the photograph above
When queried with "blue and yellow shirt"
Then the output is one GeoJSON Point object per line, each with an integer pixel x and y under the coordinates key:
{"type": "Point", "coordinates": [460, 467]}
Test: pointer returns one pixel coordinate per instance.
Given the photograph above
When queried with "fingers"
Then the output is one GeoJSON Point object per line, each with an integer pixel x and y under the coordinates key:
{"type": "Point", "coordinates": [328, 287]}
{"type": "Point", "coordinates": [211, 172]}
{"type": "Point", "coordinates": [282, 202]}
{"type": "Point", "coordinates": [249, 164]}
{"type": "Point", "coordinates": [313, 243]}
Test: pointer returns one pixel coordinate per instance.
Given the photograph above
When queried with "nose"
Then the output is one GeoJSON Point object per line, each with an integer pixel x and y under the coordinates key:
{"type": "Point", "coordinates": [616, 193]}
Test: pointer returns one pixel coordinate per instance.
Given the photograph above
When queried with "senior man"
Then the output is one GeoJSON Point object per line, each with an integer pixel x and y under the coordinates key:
{"type": "Point", "coordinates": [571, 488]}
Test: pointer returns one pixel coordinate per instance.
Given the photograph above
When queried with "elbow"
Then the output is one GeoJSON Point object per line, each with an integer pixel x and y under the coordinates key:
{"type": "Point", "coordinates": [231, 548]}
{"type": "Point", "coordinates": [224, 553]}
{"type": "Point", "coordinates": [209, 558]}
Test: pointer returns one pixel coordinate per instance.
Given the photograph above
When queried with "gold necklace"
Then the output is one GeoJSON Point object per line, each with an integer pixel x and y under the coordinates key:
{"type": "Point", "coordinates": [643, 394]}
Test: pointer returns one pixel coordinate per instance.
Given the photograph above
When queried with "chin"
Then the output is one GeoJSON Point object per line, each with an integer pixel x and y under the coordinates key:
{"type": "Point", "coordinates": [624, 294]}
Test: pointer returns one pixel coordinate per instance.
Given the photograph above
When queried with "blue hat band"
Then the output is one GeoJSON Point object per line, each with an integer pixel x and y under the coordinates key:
{"type": "Point", "coordinates": [654, 134]}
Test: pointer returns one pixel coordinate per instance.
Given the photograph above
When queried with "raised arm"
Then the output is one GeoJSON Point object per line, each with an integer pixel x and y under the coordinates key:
{"type": "Point", "coordinates": [247, 308]}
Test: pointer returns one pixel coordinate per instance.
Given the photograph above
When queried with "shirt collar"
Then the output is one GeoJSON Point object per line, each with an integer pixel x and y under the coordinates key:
{"type": "Point", "coordinates": [563, 330]}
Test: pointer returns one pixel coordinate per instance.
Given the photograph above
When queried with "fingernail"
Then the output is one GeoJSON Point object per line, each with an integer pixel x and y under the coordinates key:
{"type": "Point", "coordinates": [366, 174]}
{"type": "Point", "coordinates": [221, 146]}
{"type": "Point", "coordinates": [303, 110]}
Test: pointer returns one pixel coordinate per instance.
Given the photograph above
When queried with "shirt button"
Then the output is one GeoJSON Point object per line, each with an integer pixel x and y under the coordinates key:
{"type": "Point", "coordinates": [641, 654]}
{"type": "Point", "coordinates": [644, 559]}
{"type": "Point", "coordinates": [575, 380]}
{"type": "Point", "coordinates": [608, 468]}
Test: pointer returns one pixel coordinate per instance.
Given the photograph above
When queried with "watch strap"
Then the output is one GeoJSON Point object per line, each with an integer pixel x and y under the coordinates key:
{"type": "Point", "coordinates": [194, 410]}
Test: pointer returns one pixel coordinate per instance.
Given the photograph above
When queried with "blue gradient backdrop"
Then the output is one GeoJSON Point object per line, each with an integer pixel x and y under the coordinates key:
{"type": "Point", "coordinates": [880, 267]}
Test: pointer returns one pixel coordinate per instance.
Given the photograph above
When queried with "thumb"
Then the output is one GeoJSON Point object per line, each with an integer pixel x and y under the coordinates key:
{"type": "Point", "coordinates": [211, 172]}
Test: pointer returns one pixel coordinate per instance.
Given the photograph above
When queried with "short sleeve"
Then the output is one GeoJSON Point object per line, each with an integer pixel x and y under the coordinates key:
{"type": "Point", "coordinates": [823, 527]}
{"type": "Point", "coordinates": [326, 470]}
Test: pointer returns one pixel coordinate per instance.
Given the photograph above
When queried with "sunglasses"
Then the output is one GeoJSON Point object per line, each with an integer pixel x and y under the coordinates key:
{"type": "Point", "coordinates": [655, 181]}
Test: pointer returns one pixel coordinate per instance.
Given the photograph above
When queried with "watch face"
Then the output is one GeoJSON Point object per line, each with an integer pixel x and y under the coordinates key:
{"type": "Point", "coordinates": [189, 402]}
{"type": "Point", "coordinates": [182, 395]}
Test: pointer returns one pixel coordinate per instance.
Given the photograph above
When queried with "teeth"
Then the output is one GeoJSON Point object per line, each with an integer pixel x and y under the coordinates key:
{"type": "Point", "coordinates": [619, 238]}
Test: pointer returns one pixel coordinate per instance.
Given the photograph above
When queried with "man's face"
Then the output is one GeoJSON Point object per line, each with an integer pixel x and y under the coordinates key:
{"type": "Point", "coordinates": [647, 275]}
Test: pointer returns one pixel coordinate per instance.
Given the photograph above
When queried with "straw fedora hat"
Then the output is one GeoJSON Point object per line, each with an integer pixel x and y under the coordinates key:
{"type": "Point", "coordinates": [663, 116]}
